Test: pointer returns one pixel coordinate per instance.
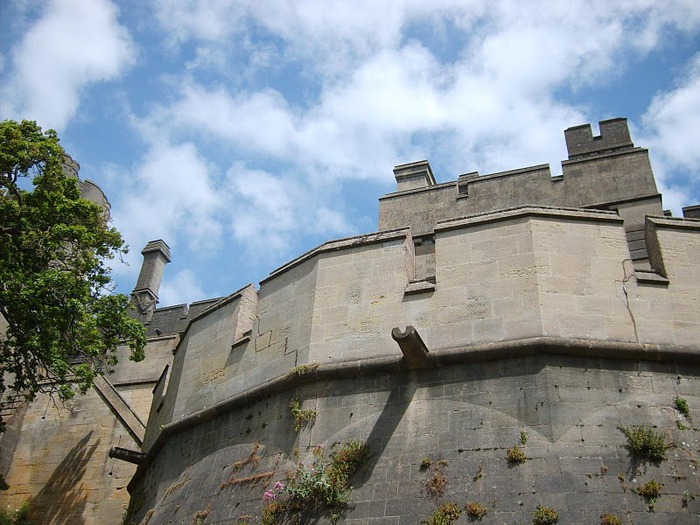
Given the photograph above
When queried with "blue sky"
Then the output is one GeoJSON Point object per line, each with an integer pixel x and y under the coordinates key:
{"type": "Point", "coordinates": [244, 133]}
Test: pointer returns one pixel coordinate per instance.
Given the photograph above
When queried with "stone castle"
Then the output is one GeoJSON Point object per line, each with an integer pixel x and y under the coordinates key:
{"type": "Point", "coordinates": [513, 312]}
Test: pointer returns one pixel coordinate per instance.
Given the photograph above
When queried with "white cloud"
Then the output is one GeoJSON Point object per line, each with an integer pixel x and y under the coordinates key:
{"type": "Point", "coordinates": [495, 103]}
{"type": "Point", "coordinates": [259, 120]}
{"type": "Point", "coordinates": [333, 35]}
{"type": "Point", "coordinates": [674, 117]}
{"type": "Point", "coordinates": [171, 196]}
{"type": "Point", "coordinates": [671, 129]}
{"type": "Point", "coordinates": [383, 82]}
{"type": "Point", "coordinates": [270, 210]}
{"type": "Point", "coordinates": [75, 43]}
{"type": "Point", "coordinates": [199, 19]}
{"type": "Point", "coordinates": [182, 287]}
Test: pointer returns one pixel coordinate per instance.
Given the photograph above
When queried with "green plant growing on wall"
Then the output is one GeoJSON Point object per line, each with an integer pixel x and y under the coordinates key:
{"type": "Point", "coordinates": [650, 491]}
{"type": "Point", "coordinates": [200, 516]}
{"type": "Point", "coordinates": [515, 456]}
{"type": "Point", "coordinates": [476, 511]}
{"type": "Point", "coordinates": [425, 463]}
{"type": "Point", "coordinates": [545, 516]}
{"type": "Point", "coordinates": [273, 512]}
{"type": "Point", "coordinates": [606, 518]}
{"type": "Point", "coordinates": [445, 514]}
{"type": "Point", "coordinates": [687, 496]}
{"type": "Point", "coordinates": [18, 517]}
{"type": "Point", "coordinates": [682, 406]}
{"type": "Point", "coordinates": [302, 418]}
{"type": "Point", "coordinates": [302, 370]}
{"type": "Point", "coordinates": [434, 485]}
{"type": "Point", "coordinates": [645, 443]}
{"type": "Point", "coordinates": [324, 486]}
{"type": "Point", "coordinates": [135, 503]}
{"type": "Point", "coordinates": [523, 437]}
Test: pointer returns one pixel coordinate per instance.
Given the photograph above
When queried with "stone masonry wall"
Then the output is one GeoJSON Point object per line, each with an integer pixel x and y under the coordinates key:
{"type": "Point", "coordinates": [605, 172]}
{"type": "Point", "coordinates": [467, 414]}
{"type": "Point", "coordinates": [61, 465]}
{"type": "Point", "coordinates": [537, 322]}
{"type": "Point", "coordinates": [555, 311]}
{"type": "Point", "coordinates": [510, 275]}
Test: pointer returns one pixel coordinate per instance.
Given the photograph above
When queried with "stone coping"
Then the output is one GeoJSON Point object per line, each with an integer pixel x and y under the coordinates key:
{"type": "Point", "coordinates": [583, 348]}
{"type": "Point", "coordinates": [587, 157]}
{"type": "Point", "coordinates": [682, 223]}
{"type": "Point", "coordinates": [468, 178]}
{"type": "Point", "coordinates": [528, 211]}
{"type": "Point", "coordinates": [439, 186]}
{"type": "Point", "coordinates": [341, 244]}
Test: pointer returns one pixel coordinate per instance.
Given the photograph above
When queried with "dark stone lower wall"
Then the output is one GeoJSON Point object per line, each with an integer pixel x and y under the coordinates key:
{"type": "Point", "coordinates": [468, 416]}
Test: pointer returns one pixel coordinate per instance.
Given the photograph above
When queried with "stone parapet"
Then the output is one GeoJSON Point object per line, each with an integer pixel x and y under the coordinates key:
{"type": "Point", "coordinates": [500, 277]}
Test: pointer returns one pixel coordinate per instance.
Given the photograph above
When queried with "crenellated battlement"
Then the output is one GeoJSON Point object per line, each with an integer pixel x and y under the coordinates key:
{"type": "Point", "coordinates": [614, 136]}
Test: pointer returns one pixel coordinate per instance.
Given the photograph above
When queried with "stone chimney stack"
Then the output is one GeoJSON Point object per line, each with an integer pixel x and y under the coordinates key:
{"type": "Point", "coordinates": [156, 255]}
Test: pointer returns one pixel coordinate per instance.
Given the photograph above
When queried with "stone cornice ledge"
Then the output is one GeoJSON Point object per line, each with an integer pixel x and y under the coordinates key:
{"type": "Point", "coordinates": [342, 244]}
{"type": "Point", "coordinates": [550, 212]}
{"type": "Point", "coordinates": [681, 223]}
{"type": "Point", "coordinates": [584, 348]}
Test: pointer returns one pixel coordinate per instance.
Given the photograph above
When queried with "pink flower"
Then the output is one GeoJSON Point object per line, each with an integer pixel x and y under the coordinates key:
{"type": "Point", "coordinates": [279, 486]}
{"type": "Point", "coordinates": [269, 496]}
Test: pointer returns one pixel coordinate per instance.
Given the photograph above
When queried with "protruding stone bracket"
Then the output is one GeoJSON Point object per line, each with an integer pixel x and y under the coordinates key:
{"type": "Point", "coordinates": [119, 407]}
{"type": "Point", "coordinates": [125, 454]}
{"type": "Point", "coordinates": [415, 353]}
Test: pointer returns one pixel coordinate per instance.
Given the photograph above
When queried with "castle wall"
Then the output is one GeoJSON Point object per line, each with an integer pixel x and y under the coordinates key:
{"type": "Point", "coordinates": [357, 299]}
{"type": "Point", "coordinates": [61, 464]}
{"type": "Point", "coordinates": [549, 274]}
{"type": "Point", "coordinates": [506, 276]}
{"type": "Point", "coordinates": [554, 311]}
{"type": "Point", "coordinates": [467, 414]}
{"type": "Point", "coordinates": [602, 172]}
{"type": "Point", "coordinates": [555, 285]}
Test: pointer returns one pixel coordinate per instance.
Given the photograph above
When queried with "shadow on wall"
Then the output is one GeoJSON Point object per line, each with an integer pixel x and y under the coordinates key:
{"type": "Point", "coordinates": [62, 500]}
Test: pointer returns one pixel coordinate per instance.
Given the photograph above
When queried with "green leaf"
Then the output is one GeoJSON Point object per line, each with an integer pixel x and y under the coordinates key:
{"type": "Point", "coordinates": [59, 323]}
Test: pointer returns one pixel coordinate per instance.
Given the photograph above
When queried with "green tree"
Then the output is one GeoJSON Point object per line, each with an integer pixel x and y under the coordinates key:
{"type": "Point", "coordinates": [61, 323]}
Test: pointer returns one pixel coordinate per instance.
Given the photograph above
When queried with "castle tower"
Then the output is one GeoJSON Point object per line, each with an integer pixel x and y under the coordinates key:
{"type": "Point", "coordinates": [156, 255]}
{"type": "Point", "coordinates": [88, 189]}
{"type": "Point", "coordinates": [70, 166]}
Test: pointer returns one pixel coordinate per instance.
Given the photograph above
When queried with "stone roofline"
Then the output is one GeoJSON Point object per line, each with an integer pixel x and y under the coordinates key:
{"type": "Point", "coordinates": [365, 240]}
{"type": "Point", "coordinates": [443, 226]}
{"type": "Point", "coordinates": [602, 172]}
{"type": "Point", "coordinates": [257, 320]}
{"type": "Point", "coordinates": [582, 146]}
{"type": "Point", "coordinates": [249, 313]}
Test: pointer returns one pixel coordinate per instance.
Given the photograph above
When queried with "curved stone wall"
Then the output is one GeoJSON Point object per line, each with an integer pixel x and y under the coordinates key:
{"type": "Point", "coordinates": [567, 408]}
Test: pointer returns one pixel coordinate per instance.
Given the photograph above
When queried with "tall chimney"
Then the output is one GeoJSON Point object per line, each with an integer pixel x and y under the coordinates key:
{"type": "Point", "coordinates": [156, 255]}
